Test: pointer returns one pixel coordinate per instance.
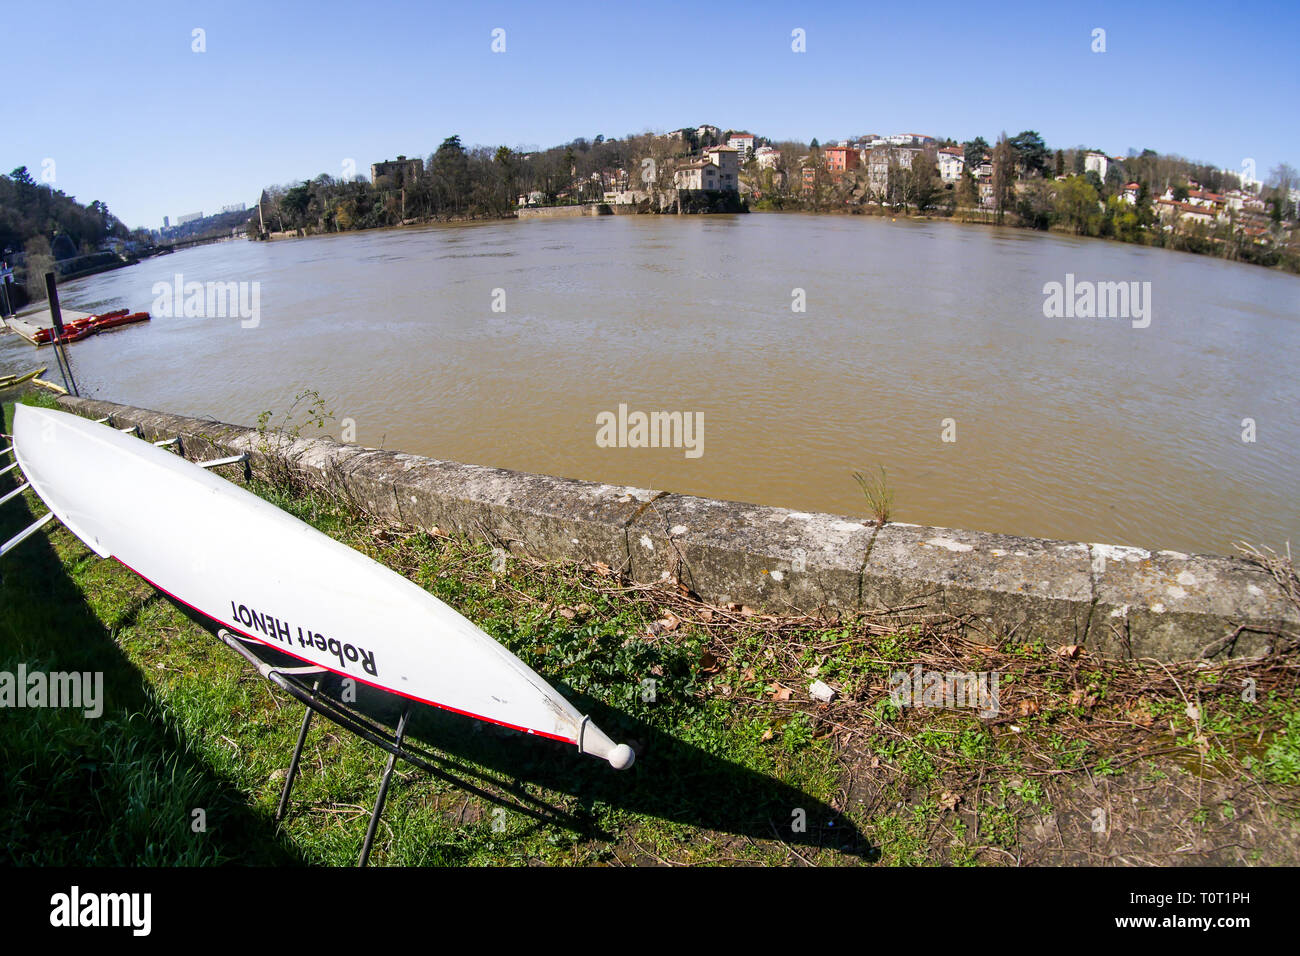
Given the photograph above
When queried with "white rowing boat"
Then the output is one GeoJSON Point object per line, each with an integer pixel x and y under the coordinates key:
{"type": "Point", "coordinates": [262, 573]}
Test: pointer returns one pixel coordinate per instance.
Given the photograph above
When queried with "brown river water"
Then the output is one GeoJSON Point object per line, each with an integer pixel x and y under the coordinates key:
{"type": "Point", "coordinates": [503, 343]}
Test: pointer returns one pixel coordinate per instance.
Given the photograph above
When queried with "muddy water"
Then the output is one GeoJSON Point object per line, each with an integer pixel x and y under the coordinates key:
{"type": "Point", "coordinates": [502, 343]}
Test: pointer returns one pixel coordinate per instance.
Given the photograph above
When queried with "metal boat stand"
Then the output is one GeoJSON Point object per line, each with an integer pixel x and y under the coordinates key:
{"type": "Point", "coordinates": [22, 486]}
{"type": "Point", "coordinates": [295, 681]}
{"type": "Point", "coordinates": [288, 679]}
{"type": "Point", "coordinates": [175, 442]}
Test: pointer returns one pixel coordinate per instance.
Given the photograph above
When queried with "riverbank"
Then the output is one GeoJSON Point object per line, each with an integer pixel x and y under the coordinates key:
{"type": "Point", "coordinates": [699, 204]}
{"type": "Point", "coordinates": [1116, 601]}
{"type": "Point", "coordinates": [1088, 761]}
{"type": "Point", "coordinates": [1190, 245]}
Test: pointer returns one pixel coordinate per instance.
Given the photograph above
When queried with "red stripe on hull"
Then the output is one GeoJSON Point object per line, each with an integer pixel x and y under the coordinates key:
{"type": "Point", "coordinates": [390, 690]}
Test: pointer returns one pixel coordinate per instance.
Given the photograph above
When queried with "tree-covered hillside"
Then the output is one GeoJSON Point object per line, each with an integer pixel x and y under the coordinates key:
{"type": "Point", "coordinates": [32, 210]}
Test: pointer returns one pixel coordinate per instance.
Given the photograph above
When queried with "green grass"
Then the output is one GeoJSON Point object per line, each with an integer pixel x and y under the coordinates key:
{"type": "Point", "coordinates": [723, 771]}
{"type": "Point", "coordinates": [1281, 760]}
{"type": "Point", "coordinates": [123, 787]}
{"type": "Point", "coordinates": [877, 493]}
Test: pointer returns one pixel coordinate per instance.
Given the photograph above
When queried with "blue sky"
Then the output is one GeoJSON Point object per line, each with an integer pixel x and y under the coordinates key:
{"type": "Point", "coordinates": [130, 115]}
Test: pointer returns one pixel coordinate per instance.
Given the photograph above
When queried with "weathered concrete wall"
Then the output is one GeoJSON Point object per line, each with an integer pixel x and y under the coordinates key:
{"type": "Point", "coordinates": [1117, 601]}
{"type": "Point", "coordinates": [565, 212]}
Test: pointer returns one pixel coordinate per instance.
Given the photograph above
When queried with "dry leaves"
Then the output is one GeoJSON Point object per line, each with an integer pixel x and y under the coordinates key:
{"type": "Point", "coordinates": [669, 622]}
{"type": "Point", "coordinates": [1140, 715]}
{"type": "Point", "coordinates": [579, 613]}
{"type": "Point", "coordinates": [1086, 697]}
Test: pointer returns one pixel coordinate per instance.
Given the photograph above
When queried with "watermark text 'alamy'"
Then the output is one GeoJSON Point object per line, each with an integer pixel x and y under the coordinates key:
{"type": "Point", "coordinates": [1085, 299]}
{"type": "Point", "coordinates": [208, 300]}
{"type": "Point", "coordinates": [637, 429]}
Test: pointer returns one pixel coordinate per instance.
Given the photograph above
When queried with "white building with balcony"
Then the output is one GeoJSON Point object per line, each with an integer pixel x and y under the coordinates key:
{"type": "Point", "coordinates": [743, 144]}
{"type": "Point", "coordinates": [952, 163]}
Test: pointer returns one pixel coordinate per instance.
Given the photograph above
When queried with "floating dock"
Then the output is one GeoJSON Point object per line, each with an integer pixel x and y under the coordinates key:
{"type": "Point", "coordinates": [30, 324]}
{"type": "Point", "coordinates": [37, 326]}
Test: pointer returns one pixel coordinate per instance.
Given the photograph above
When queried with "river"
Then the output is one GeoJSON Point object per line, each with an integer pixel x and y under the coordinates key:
{"type": "Point", "coordinates": [501, 343]}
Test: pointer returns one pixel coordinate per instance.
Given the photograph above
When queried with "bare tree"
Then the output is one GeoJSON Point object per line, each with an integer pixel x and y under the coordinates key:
{"type": "Point", "coordinates": [1283, 178]}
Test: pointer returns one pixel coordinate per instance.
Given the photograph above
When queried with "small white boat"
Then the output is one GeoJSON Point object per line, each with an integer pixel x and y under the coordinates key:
{"type": "Point", "coordinates": [262, 573]}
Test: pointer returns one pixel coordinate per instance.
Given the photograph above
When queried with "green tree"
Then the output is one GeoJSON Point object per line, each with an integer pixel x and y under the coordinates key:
{"type": "Point", "coordinates": [1145, 214]}
{"type": "Point", "coordinates": [1114, 179]}
{"type": "Point", "coordinates": [449, 173]}
{"type": "Point", "coordinates": [1004, 170]}
{"type": "Point", "coordinates": [1036, 204]}
{"type": "Point", "coordinates": [1122, 220]}
{"type": "Point", "coordinates": [1030, 152]}
{"type": "Point", "coordinates": [974, 151]}
{"type": "Point", "coordinates": [1076, 204]}
{"type": "Point", "coordinates": [295, 203]}
{"type": "Point", "coordinates": [504, 159]}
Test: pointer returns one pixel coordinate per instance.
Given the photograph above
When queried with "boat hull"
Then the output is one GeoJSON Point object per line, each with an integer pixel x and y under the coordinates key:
{"type": "Point", "coordinates": [262, 573]}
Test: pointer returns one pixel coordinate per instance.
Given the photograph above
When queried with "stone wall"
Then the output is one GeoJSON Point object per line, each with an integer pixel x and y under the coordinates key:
{"type": "Point", "coordinates": [564, 212]}
{"type": "Point", "coordinates": [1115, 600]}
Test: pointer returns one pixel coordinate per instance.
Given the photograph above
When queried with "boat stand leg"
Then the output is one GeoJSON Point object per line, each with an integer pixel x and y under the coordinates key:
{"type": "Point", "coordinates": [297, 754]}
{"type": "Point", "coordinates": [383, 791]}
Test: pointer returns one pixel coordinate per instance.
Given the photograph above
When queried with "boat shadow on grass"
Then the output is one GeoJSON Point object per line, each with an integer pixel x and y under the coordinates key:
{"type": "Point", "coordinates": [116, 789]}
{"type": "Point", "coordinates": [672, 780]}
{"type": "Point", "coordinates": [121, 788]}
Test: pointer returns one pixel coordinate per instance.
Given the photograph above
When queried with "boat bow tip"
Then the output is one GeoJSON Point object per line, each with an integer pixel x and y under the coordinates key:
{"type": "Point", "coordinates": [621, 757]}
{"type": "Point", "coordinates": [592, 740]}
